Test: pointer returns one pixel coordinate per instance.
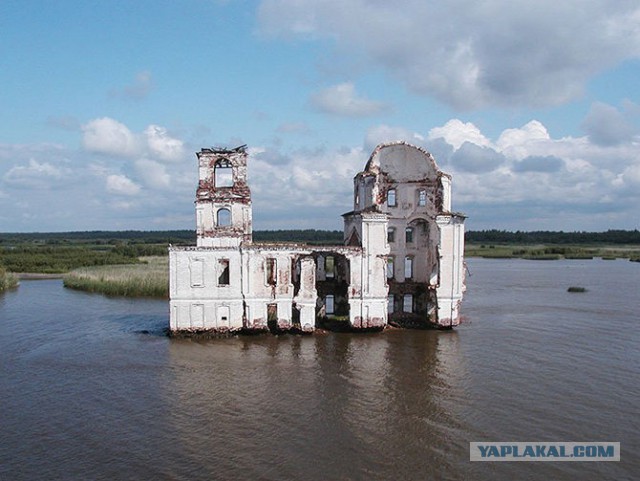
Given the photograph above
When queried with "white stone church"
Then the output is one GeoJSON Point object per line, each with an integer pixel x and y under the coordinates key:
{"type": "Point", "coordinates": [401, 262]}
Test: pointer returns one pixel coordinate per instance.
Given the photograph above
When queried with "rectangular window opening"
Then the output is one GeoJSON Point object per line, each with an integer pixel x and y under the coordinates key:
{"type": "Point", "coordinates": [272, 312]}
{"type": "Point", "coordinates": [223, 173]}
{"type": "Point", "coordinates": [407, 303]}
{"type": "Point", "coordinates": [422, 198]}
{"type": "Point", "coordinates": [390, 306]}
{"type": "Point", "coordinates": [391, 235]}
{"type": "Point", "coordinates": [408, 235]}
{"type": "Point", "coordinates": [329, 266]}
{"type": "Point", "coordinates": [223, 272]}
{"type": "Point", "coordinates": [390, 268]}
{"type": "Point", "coordinates": [408, 267]}
{"type": "Point", "coordinates": [328, 303]}
{"type": "Point", "coordinates": [270, 270]}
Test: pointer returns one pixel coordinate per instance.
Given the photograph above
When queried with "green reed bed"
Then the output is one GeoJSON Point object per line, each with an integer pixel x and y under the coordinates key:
{"type": "Point", "coordinates": [7, 280]}
{"type": "Point", "coordinates": [147, 279]}
{"type": "Point", "coordinates": [550, 252]}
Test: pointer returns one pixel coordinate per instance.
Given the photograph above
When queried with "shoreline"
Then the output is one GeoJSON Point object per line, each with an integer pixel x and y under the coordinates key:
{"type": "Point", "coordinates": [36, 276]}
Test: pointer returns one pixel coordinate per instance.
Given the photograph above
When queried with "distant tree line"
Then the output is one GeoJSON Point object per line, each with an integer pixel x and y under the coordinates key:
{"type": "Point", "coordinates": [101, 237]}
{"type": "Point", "coordinates": [136, 239]}
{"type": "Point", "coordinates": [176, 237]}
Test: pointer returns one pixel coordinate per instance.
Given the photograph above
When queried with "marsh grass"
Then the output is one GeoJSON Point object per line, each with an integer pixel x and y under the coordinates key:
{"type": "Point", "coordinates": [147, 279]}
{"type": "Point", "coordinates": [549, 252]}
{"type": "Point", "coordinates": [7, 280]}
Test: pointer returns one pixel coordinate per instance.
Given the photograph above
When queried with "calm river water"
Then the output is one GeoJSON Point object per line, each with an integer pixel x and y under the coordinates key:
{"type": "Point", "coordinates": [91, 390]}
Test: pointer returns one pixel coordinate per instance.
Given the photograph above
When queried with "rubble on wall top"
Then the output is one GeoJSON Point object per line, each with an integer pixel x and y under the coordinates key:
{"type": "Point", "coordinates": [300, 248]}
{"type": "Point", "coordinates": [289, 248]}
{"type": "Point", "coordinates": [224, 150]}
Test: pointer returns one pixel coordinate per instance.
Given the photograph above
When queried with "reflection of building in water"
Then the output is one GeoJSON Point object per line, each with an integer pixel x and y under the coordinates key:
{"type": "Point", "coordinates": [402, 258]}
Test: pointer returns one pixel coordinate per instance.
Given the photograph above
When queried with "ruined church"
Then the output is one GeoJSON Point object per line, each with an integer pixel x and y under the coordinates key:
{"type": "Point", "coordinates": [401, 262]}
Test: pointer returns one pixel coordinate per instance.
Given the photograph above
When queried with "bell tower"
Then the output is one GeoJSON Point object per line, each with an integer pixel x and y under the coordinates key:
{"type": "Point", "coordinates": [223, 198]}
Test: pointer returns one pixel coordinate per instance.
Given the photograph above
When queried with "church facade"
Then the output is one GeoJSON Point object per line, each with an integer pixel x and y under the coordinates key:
{"type": "Point", "coordinates": [401, 261]}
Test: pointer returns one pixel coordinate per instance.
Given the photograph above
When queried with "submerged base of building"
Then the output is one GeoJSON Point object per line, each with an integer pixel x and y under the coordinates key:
{"type": "Point", "coordinates": [324, 326]}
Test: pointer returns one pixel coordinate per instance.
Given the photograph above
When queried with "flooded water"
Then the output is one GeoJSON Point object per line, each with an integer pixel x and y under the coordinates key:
{"type": "Point", "coordinates": [90, 389]}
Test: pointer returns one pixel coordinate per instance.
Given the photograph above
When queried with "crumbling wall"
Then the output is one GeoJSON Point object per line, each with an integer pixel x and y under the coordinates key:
{"type": "Point", "coordinates": [233, 196]}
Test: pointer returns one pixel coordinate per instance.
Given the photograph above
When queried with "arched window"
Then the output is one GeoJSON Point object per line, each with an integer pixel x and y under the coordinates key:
{"type": "Point", "coordinates": [390, 267]}
{"type": "Point", "coordinates": [223, 173]}
{"type": "Point", "coordinates": [391, 197]}
{"type": "Point", "coordinates": [223, 218]}
{"type": "Point", "coordinates": [391, 234]}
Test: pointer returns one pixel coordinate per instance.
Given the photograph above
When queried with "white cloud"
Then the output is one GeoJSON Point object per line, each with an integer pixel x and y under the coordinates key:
{"type": "Point", "coordinates": [525, 179]}
{"type": "Point", "coordinates": [537, 163]}
{"type": "Point", "coordinates": [629, 178]}
{"type": "Point", "coordinates": [57, 188]}
{"type": "Point", "coordinates": [34, 174]}
{"type": "Point", "coordinates": [567, 183]}
{"type": "Point", "coordinates": [309, 188]}
{"type": "Point", "coordinates": [469, 53]}
{"type": "Point", "coordinates": [471, 157]}
{"type": "Point", "coordinates": [532, 132]}
{"type": "Point", "coordinates": [533, 139]}
{"type": "Point", "coordinates": [606, 125]}
{"type": "Point", "coordinates": [108, 136]}
{"type": "Point", "coordinates": [121, 185]}
{"type": "Point", "coordinates": [456, 133]}
{"type": "Point", "coordinates": [343, 100]}
{"type": "Point", "coordinates": [270, 156]}
{"type": "Point", "coordinates": [162, 146]}
{"type": "Point", "coordinates": [153, 173]}
{"type": "Point", "coordinates": [122, 205]}
{"type": "Point", "coordinates": [385, 133]}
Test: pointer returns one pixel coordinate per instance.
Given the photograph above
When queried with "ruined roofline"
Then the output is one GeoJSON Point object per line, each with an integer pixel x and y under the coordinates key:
{"type": "Point", "coordinates": [301, 247]}
{"type": "Point", "coordinates": [224, 150]}
{"type": "Point", "coordinates": [383, 145]}
{"type": "Point", "coordinates": [371, 212]}
{"type": "Point", "coordinates": [460, 215]}
{"type": "Point", "coordinates": [295, 248]}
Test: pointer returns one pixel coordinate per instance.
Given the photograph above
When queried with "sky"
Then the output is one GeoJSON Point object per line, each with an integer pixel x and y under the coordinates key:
{"type": "Point", "coordinates": [532, 107]}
